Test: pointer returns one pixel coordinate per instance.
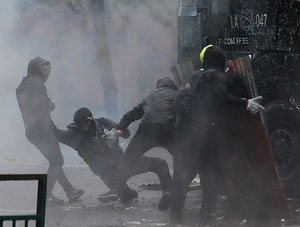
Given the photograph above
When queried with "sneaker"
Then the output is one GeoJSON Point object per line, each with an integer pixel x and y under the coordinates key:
{"type": "Point", "coordinates": [107, 193]}
{"type": "Point", "coordinates": [52, 200]}
{"type": "Point", "coordinates": [108, 197]}
{"type": "Point", "coordinates": [165, 200]}
{"type": "Point", "coordinates": [118, 206]}
{"type": "Point", "coordinates": [129, 195]}
{"type": "Point", "coordinates": [74, 194]}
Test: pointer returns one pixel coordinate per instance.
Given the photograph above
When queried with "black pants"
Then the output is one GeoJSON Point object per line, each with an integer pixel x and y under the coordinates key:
{"type": "Point", "coordinates": [197, 151]}
{"type": "Point", "coordinates": [146, 137]}
{"type": "Point", "coordinates": [46, 142]}
{"type": "Point", "coordinates": [106, 168]}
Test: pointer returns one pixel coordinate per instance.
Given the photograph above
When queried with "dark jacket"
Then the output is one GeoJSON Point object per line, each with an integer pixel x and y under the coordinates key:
{"type": "Point", "coordinates": [157, 108]}
{"type": "Point", "coordinates": [91, 149]}
{"type": "Point", "coordinates": [33, 100]}
{"type": "Point", "coordinates": [237, 87]}
{"type": "Point", "coordinates": [204, 96]}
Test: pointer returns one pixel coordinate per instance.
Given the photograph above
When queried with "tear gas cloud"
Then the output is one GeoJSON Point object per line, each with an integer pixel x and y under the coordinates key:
{"type": "Point", "coordinates": [142, 43]}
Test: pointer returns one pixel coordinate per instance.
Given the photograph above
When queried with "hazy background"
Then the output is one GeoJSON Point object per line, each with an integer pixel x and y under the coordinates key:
{"type": "Point", "coordinates": [142, 42]}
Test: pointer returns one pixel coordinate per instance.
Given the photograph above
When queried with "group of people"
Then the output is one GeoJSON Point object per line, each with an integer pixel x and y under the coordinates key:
{"type": "Point", "coordinates": [183, 120]}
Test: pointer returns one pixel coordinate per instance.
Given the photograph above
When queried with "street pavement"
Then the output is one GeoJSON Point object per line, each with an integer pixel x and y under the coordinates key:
{"type": "Point", "coordinates": [20, 198]}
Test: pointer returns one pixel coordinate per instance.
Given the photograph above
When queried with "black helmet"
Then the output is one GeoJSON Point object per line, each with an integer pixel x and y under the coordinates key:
{"type": "Point", "coordinates": [82, 115]}
{"type": "Point", "coordinates": [214, 57]}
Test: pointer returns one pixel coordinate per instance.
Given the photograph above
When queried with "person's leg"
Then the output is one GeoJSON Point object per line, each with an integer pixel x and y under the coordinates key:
{"type": "Point", "coordinates": [208, 168]}
{"type": "Point", "coordinates": [50, 150]}
{"type": "Point", "coordinates": [141, 142]}
{"type": "Point", "coordinates": [155, 165]}
{"type": "Point", "coordinates": [209, 189]}
{"type": "Point", "coordinates": [166, 137]}
{"type": "Point", "coordinates": [115, 154]}
{"type": "Point", "coordinates": [160, 137]}
{"type": "Point", "coordinates": [185, 164]}
{"type": "Point", "coordinates": [160, 168]}
{"type": "Point", "coordinates": [49, 147]}
{"type": "Point", "coordinates": [105, 169]}
{"type": "Point", "coordinates": [184, 169]}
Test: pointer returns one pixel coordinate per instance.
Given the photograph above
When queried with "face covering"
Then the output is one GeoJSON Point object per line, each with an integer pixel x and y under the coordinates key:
{"type": "Point", "coordinates": [43, 78]}
{"type": "Point", "coordinates": [45, 72]}
{"type": "Point", "coordinates": [89, 131]}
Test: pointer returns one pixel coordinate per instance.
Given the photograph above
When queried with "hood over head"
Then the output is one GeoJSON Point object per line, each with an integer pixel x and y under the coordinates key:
{"type": "Point", "coordinates": [214, 57]}
{"type": "Point", "coordinates": [82, 114]}
{"type": "Point", "coordinates": [82, 117]}
{"type": "Point", "coordinates": [166, 82]}
{"type": "Point", "coordinates": [39, 67]}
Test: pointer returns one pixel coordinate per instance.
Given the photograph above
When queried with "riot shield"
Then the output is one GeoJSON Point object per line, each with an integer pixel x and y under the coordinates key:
{"type": "Point", "coordinates": [181, 72]}
{"type": "Point", "coordinates": [247, 163]}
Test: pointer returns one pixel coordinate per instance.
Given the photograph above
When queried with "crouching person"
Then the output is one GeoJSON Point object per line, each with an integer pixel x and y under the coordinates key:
{"type": "Point", "coordinates": [91, 139]}
{"type": "Point", "coordinates": [155, 130]}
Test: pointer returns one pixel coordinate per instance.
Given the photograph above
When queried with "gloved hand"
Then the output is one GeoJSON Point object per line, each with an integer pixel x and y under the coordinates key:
{"type": "Point", "coordinates": [253, 105]}
{"type": "Point", "coordinates": [111, 137]}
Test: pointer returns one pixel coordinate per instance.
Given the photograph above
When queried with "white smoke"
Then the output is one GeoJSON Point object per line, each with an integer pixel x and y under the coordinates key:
{"type": "Point", "coordinates": [142, 50]}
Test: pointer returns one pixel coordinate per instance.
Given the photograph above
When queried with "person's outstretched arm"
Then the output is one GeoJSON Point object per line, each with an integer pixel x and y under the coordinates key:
{"type": "Point", "coordinates": [135, 114]}
{"type": "Point", "coordinates": [67, 137]}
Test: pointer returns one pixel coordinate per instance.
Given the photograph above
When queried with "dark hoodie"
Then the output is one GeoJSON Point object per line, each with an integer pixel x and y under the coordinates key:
{"type": "Point", "coordinates": [91, 147]}
{"type": "Point", "coordinates": [33, 100]}
{"type": "Point", "coordinates": [206, 91]}
{"type": "Point", "coordinates": [157, 108]}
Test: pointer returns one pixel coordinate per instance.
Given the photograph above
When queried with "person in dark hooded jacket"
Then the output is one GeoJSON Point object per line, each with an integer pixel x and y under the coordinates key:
{"type": "Point", "coordinates": [199, 104]}
{"type": "Point", "coordinates": [90, 138]}
{"type": "Point", "coordinates": [157, 116]}
{"type": "Point", "coordinates": [36, 106]}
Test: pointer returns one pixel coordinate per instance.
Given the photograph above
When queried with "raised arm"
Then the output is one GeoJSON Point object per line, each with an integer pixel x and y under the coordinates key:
{"type": "Point", "coordinates": [67, 137]}
{"type": "Point", "coordinates": [135, 114]}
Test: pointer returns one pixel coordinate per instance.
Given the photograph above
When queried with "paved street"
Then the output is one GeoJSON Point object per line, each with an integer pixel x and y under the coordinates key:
{"type": "Point", "coordinates": [20, 197]}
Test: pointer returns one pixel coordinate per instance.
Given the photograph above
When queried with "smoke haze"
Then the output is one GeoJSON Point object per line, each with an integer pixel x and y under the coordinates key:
{"type": "Point", "coordinates": [142, 48]}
